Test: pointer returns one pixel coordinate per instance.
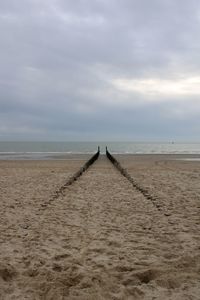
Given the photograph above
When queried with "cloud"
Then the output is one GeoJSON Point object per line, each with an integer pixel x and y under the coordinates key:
{"type": "Point", "coordinates": [97, 69]}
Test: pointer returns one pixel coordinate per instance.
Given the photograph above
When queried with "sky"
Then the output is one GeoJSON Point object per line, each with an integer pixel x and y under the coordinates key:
{"type": "Point", "coordinates": [90, 70]}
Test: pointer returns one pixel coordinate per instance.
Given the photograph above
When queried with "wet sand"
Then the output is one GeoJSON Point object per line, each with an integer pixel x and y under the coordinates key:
{"type": "Point", "coordinates": [101, 238]}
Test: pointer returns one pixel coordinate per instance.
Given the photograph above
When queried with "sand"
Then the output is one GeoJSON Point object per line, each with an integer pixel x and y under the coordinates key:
{"type": "Point", "coordinates": [101, 238]}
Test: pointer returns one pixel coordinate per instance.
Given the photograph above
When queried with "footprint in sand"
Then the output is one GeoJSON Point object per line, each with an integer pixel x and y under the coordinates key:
{"type": "Point", "coordinates": [61, 256]}
{"type": "Point", "coordinates": [7, 272]}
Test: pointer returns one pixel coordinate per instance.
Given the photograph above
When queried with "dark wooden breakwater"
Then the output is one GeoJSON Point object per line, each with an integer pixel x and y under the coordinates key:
{"type": "Point", "coordinates": [83, 168]}
{"type": "Point", "coordinates": [137, 186]}
{"type": "Point", "coordinates": [78, 173]}
{"type": "Point", "coordinates": [122, 170]}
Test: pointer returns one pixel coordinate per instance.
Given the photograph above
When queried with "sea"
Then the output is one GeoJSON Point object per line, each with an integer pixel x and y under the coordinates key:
{"type": "Point", "coordinates": [57, 150]}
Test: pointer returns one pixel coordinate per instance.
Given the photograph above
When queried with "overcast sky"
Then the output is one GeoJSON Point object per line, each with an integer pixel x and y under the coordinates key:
{"type": "Point", "coordinates": [100, 70]}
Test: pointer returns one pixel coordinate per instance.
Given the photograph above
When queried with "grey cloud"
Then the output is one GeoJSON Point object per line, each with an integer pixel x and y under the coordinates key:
{"type": "Point", "coordinates": [58, 59]}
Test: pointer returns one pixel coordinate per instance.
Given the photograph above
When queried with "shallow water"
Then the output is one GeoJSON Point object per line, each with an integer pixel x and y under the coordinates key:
{"type": "Point", "coordinates": [49, 150]}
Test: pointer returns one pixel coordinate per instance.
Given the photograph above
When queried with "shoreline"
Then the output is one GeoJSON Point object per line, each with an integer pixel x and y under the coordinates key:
{"type": "Point", "coordinates": [85, 156]}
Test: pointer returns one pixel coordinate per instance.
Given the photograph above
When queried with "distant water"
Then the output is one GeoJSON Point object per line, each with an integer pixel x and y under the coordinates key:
{"type": "Point", "coordinates": [47, 150]}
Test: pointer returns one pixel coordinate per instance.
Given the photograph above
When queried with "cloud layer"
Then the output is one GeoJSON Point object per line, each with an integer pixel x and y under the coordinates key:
{"type": "Point", "coordinates": [95, 69]}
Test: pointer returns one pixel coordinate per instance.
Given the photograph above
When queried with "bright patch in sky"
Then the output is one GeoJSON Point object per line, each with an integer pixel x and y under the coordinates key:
{"type": "Point", "coordinates": [158, 87]}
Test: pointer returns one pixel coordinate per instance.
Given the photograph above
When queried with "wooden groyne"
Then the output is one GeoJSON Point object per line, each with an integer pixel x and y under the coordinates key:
{"type": "Point", "coordinates": [136, 185]}
{"type": "Point", "coordinates": [77, 174]}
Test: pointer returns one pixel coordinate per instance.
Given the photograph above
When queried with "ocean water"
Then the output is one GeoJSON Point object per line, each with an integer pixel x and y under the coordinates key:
{"type": "Point", "coordinates": [50, 150]}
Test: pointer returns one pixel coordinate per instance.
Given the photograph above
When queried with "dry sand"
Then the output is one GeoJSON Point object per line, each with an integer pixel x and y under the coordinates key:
{"type": "Point", "coordinates": [101, 239]}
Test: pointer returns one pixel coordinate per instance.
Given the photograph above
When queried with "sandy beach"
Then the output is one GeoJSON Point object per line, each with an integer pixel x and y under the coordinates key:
{"type": "Point", "coordinates": [101, 238]}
